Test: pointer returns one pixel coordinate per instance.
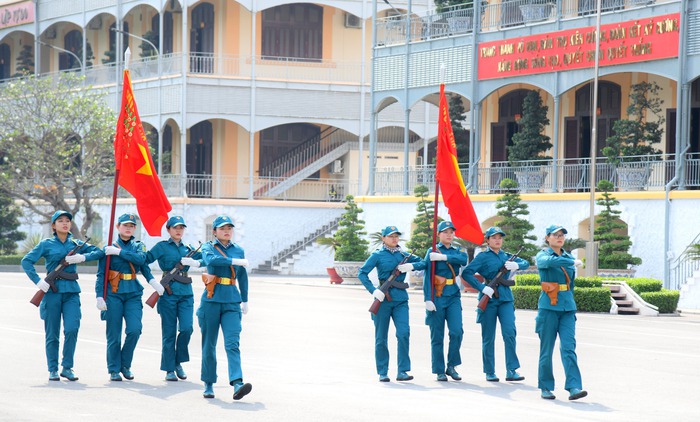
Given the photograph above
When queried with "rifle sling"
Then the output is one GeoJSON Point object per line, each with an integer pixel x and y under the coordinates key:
{"type": "Point", "coordinates": [66, 276]}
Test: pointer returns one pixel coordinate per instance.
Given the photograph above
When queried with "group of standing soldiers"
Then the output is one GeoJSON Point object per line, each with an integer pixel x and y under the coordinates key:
{"type": "Point", "coordinates": [447, 264]}
{"type": "Point", "coordinates": [119, 297]}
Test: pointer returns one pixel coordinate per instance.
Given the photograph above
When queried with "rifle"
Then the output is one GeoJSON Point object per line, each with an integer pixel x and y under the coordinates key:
{"type": "Point", "coordinates": [172, 275]}
{"type": "Point", "coordinates": [56, 274]}
{"type": "Point", "coordinates": [389, 283]}
{"type": "Point", "coordinates": [498, 280]}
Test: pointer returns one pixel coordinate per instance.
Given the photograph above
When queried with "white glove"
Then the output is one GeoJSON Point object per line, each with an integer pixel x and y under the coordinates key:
{"type": "Point", "coordinates": [404, 268]}
{"type": "Point", "coordinates": [487, 291]}
{"type": "Point", "coordinates": [430, 306]}
{"type": "Point", "coordinates": [436, 256]}
{"type": "Point", "coordinates": [242, 262]}
{"type": "Point", "coordinates": [189, 261]}
{"type": "Point", "coordinates": [112, 250]}
{"type": "Point", "coordinates": [244, 307]}
{"type": "Point", "coordinates": [75, 259]}
{"type": "Point", "coordinates": [101, 305]}
{"type": "Point", "coordinates": [43, 285]}
{"type": "Point", "coordinates": [578, 263]}
{"type": "Point", "coordinates": [157, 286]}
{"type": "Point", "coordinates": [512, 266]}
{"type": "Point", "coordinates": [378, 294]}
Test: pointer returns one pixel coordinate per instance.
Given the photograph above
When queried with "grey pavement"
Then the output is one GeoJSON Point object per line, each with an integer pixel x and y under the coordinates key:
{"type": "Point", "coordinates": [307, 348]}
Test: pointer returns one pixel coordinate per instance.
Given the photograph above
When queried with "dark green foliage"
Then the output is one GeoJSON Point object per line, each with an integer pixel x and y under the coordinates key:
{"type": "Point", "coordinates": [457, 117]}
{"type": "Point", "coordinates": [146, 49]}
{"type": "Point", "coordinates": [441, 5]}
{"type": "Point", "coordinates": [422, 234]}
{"type": "Point", "coordinates": [17, 260]}
{"type": "Point", "coordinates": [527, 280]}
{"type": "Point", "coordinates": [592, 299]}
{"type": "Point", "coordinates": [526, 297]}
{"type": "Point", "coordinates": [510, 207]}
{"type": "Point", "coordinates": [636, 135]}
{"type": "Point", "coordinates": [588, 282]}
{"type": "Point", "coordinates": [529, 143]}
{"type": "Point", "coordinates": [694, 252]}
{"type": "Point", "coordinates": [613, 252]}
{"type": "Point", "coordinates": [25, 61]}
{"type": "Point", "coordinates": [9, 221]}
{"type": "Point", "coordinates": [642, 285]}
{"type": "Point", "coordinates": [665, 300]}
{"type": "Point", "coordinates": [349, 245]}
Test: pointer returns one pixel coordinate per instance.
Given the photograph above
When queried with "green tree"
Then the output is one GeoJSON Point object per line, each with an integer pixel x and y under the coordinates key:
{"type": "Point", "coordinates": [25, 61]}
{"type": "Point", "coordinates": [146, 48]}
{"type": "Point", "coordinates": [636, 135]}
{"type": "Point", "coordinates": [347, 243]}
{"type": "Point", "coordinates": [9, 221]}
{"type": "Point", "coordinates": [458, 115]}
{"type": "Point", "coordinates": [529, 143]}
{"type": "Point", "coordinates": [422, 233]}
{"type": "Point", "coordinates": [614, 247]}
{"type": "Point", "coordinates": [511, 208]}
{"type": "Point", "coordinates": [66, 128]}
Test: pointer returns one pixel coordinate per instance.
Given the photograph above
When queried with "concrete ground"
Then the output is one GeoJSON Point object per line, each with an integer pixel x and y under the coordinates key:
{"type": "Point", "coordinates": [307, 348]}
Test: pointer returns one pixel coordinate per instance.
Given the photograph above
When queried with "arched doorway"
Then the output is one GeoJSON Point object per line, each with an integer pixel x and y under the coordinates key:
{"type": "Point", "coordinates": [5, 61]}
{"type": "Point", "coordinates": [202, 39]}
{"type": "Point", "coordinates": [199, 160]}
{"type": "Point", "coordinates": [276, 142]}
{"type": "Point", "coordinates": [73, 42]}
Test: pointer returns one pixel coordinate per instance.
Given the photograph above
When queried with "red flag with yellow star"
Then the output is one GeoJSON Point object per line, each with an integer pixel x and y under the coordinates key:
{"type": "Point", "coordinates": [449, 179]}
{"type": "Point", "coordinates": [135, 168]}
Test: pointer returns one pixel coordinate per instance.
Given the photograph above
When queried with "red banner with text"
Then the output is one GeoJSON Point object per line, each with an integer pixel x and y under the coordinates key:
{"type": "Point", "coordinates": [624, 42]}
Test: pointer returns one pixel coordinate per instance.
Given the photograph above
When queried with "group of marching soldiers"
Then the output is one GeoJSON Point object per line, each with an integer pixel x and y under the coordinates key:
{"type": "Point", "coordinates": [225, 300]}
{"type": "Point", "coordinates": [119, 297]}
{"type": "Point", "coordinates": [445, 269]}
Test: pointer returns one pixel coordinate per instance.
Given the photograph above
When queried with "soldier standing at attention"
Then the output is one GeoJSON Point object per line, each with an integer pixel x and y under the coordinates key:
{"type": "Point", "coordinates": [124, 292]}
{"type": "Point", "coordinates": [65, 303]}
{"type": "Point", "coordinates": [177, 309]}
{"type": "Point", "coordinates": [556, 314]}
{"type": "Point", "coordinates": [500, 306]}
{"type": "Point", "coordinates": [386, 259]}
{"type": "Point", "coordinates": [223, 304]}
{"type": "Point", "coordinates": [443, 304]}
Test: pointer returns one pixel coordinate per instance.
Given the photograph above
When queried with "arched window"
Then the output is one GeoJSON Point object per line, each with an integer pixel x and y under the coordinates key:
{"type": "Point", "coordinates": [202, 39]}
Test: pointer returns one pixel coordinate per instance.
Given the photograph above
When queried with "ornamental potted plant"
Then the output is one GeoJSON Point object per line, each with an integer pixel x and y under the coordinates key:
{"type": "Point", "coordinates": [350, 248]}
{"type": "Point", "coordinates": [631, 148]}
{"type": "Point", "coordinates": [529, 144]}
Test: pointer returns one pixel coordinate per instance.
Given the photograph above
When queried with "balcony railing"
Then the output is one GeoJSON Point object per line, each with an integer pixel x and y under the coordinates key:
{"type": "Point", "coordinates": [240, 67]}
{"type": "Point", "coordinates": [566, 175]}
{"type": "Point", "coordinates": [494, 16]}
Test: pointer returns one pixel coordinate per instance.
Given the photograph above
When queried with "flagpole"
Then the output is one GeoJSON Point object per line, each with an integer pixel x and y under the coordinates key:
{"type": "Point", "coordinates": [437, 192]}
{"type": "Point", "coordinates": [110, 236]}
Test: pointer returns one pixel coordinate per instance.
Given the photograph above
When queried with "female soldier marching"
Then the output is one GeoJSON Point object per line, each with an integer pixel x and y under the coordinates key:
{"type": "Point", "coordinates": [65, 302]}
{"type": "Point", "coordinates": [386, 259]}
{"type": "Point", "coordinates": [500, 306]}
{"type": "Point", "coordinates": [177, 309]}
{"type": "Point", "coordinates": [124, 292]}
{"type": "Point", "coordinates": [442, 302]}
{"type": "Point", "coordinates": [223, 304]}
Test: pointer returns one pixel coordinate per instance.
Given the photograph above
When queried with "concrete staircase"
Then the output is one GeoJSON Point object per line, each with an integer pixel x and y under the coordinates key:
{"type": "Point", "coordinates": [625, 306]}
{"type": "Point", "coordinates": [690, 292]}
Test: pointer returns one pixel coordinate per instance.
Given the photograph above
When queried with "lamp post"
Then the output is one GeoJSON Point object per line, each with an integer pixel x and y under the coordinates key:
{"type": "Point", "coordinates": [160, 86]}
{"type": "Point", "coordinates": [63, 50]}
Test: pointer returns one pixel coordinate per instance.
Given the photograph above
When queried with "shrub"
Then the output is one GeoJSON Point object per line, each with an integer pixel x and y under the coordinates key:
{"type": "Point", "coordinates": [592, 299]}
{"type": "Point", "coordinates": [665, 300]}
{"type": "Point", "coordinates": [526, 297]}
{"type": "Point", "coordinates": [527, 280]}
{"type": "Point", "coordinates": [642, 285]}
{"type": "Point", "coordinates": [584, 282]}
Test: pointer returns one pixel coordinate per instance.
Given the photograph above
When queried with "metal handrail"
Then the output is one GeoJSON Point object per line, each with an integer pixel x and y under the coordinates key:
{"type": "Point", "coordinates": [308, 232]}
{"type": "Point", "coordinates": [684, 266]}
